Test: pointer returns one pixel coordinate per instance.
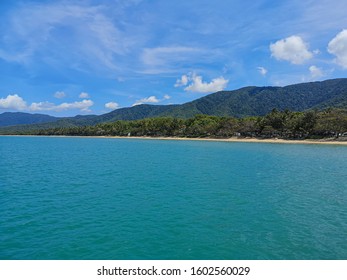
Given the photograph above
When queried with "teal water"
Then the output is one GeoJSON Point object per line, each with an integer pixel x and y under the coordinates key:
{"type": "Point", "coordinates": [87, 198]}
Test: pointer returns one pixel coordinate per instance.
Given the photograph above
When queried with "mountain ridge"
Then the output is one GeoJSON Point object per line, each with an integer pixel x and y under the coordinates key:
{"type": "Point", "coordinates": [242, 102]}
{"type": "Point", "coordinates": [16, 118]}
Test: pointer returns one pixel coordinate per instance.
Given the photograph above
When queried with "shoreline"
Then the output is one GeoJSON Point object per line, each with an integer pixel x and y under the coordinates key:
{"type": "Point", "coordinates": [236, 140]}
{"type": "Point", "coordinates": [230, 140]}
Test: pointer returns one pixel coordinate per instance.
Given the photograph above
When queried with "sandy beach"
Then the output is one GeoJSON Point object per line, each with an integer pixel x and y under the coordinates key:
{"type": "Point", "coordinates": [232, 139]}
{"type": "Point", "coordinates": [240, 140]}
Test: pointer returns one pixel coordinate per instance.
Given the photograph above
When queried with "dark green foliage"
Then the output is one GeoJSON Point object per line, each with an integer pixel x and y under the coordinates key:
{"type": "Point", "coordinates": [281, 124]}
{"type": "Point", "coordinates": [135, 113]}
{"type": "Point", "coordinates": [258, 101]}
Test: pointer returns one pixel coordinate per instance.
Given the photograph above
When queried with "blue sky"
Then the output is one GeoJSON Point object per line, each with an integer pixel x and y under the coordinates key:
{"type": "Point", "coordinates": [90, 57]}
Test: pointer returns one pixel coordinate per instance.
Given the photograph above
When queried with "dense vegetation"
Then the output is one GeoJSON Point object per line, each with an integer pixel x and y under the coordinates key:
{"type": "Point", "coordinates": [282, 124]}
{"type": "Point", "coordinates": [259, 101]}
{"type": "Point", "coordinates": [244, 102]}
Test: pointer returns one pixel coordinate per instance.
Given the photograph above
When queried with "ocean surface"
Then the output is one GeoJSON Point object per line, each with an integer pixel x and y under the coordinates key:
{"type": "Point", "coordinates": [95, 198]}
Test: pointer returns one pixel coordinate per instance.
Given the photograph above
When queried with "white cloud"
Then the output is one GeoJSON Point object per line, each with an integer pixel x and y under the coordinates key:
{"type": "Point", "coordinates": [59, 94]}
{"type": "Point", "coordinates": [84, 95]}
{"type": "Point", "coordinates": [292, 49]}
{"type": "Point", "coordinates": [83, 106]}
{"type": "Point", "coordinates": [262, 70]}
{"type": "Point", "coordinates": [13, 102]}
{"type": "Point", "coordinates": [166, 97]}
{"type": "Point", "coordinates": [151, 99]}
{"type": "Point", "coordinates": [338, 47]}
{"type": "Point", "coordinates": [196, 84]}
{"type": "Point", "coordinates": [316, 72]}
{"type": "Point", "coordinates": [16, 102]}
{"type": "Point", "coordinates": [183, 81]}
{"type": "Point", "coordinates": [112, 105]}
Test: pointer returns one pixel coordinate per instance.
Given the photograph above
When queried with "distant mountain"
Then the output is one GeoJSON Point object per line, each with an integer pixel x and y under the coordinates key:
{"type": "Point", "coordinates": [131, 113]}
{"type": "Point", "coordinates": [247, 101]}
{"type": "Point", "coordinates": [8, 119]}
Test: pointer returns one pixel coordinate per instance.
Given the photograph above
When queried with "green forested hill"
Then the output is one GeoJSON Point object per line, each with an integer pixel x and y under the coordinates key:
{"type": "Point", "coordinates": [258, 101]}
{"type": "Point", "coordinates": [247, 101]}
{"type": "Point", "coordinates": [136, 113]}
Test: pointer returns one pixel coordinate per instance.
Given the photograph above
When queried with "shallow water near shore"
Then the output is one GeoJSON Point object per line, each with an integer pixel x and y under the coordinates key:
{"type": "Point", "coordinates": [94, 198]}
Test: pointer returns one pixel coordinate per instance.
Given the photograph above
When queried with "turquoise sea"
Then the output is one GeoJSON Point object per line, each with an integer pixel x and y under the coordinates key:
{"type": "Point", "coordinates": [96, 198]}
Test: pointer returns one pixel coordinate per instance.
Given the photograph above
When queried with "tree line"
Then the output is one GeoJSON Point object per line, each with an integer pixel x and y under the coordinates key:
{"type": "Point", "coordinates": [281, 124]}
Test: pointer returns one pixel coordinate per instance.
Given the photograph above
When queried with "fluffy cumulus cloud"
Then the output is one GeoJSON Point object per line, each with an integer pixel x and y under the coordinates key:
{"type": "Point", "coordinates": [151, 99]}
{"type": "Point", "coordinates": [112, 105]}
{"type": "Point", "coordinates": [59, 94]}
{"type": "Point", "coordinates": [338, 47]}
{"type": "Point", "coordinates": [194, 83]}
{"type": "Point", "coordinates": [316, 72]}
{"type": "Point", "coordinates": [14, 102]}
{"type": "Point", "coordinates": [84, 95]}
{"type": "Point", "coordinates": [83, 106]}
{"type": "Point", "coordinates": [292, 49]}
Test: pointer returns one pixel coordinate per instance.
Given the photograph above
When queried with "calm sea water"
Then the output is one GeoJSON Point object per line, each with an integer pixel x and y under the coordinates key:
{"type": "Point", "coordinates": [85, 198]}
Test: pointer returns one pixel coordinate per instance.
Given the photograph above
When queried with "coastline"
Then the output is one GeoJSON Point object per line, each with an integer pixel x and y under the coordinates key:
{"type": "Point", "coordinates": [230, 140]}
{"type": "Point", "coordinates": [237, 140]}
